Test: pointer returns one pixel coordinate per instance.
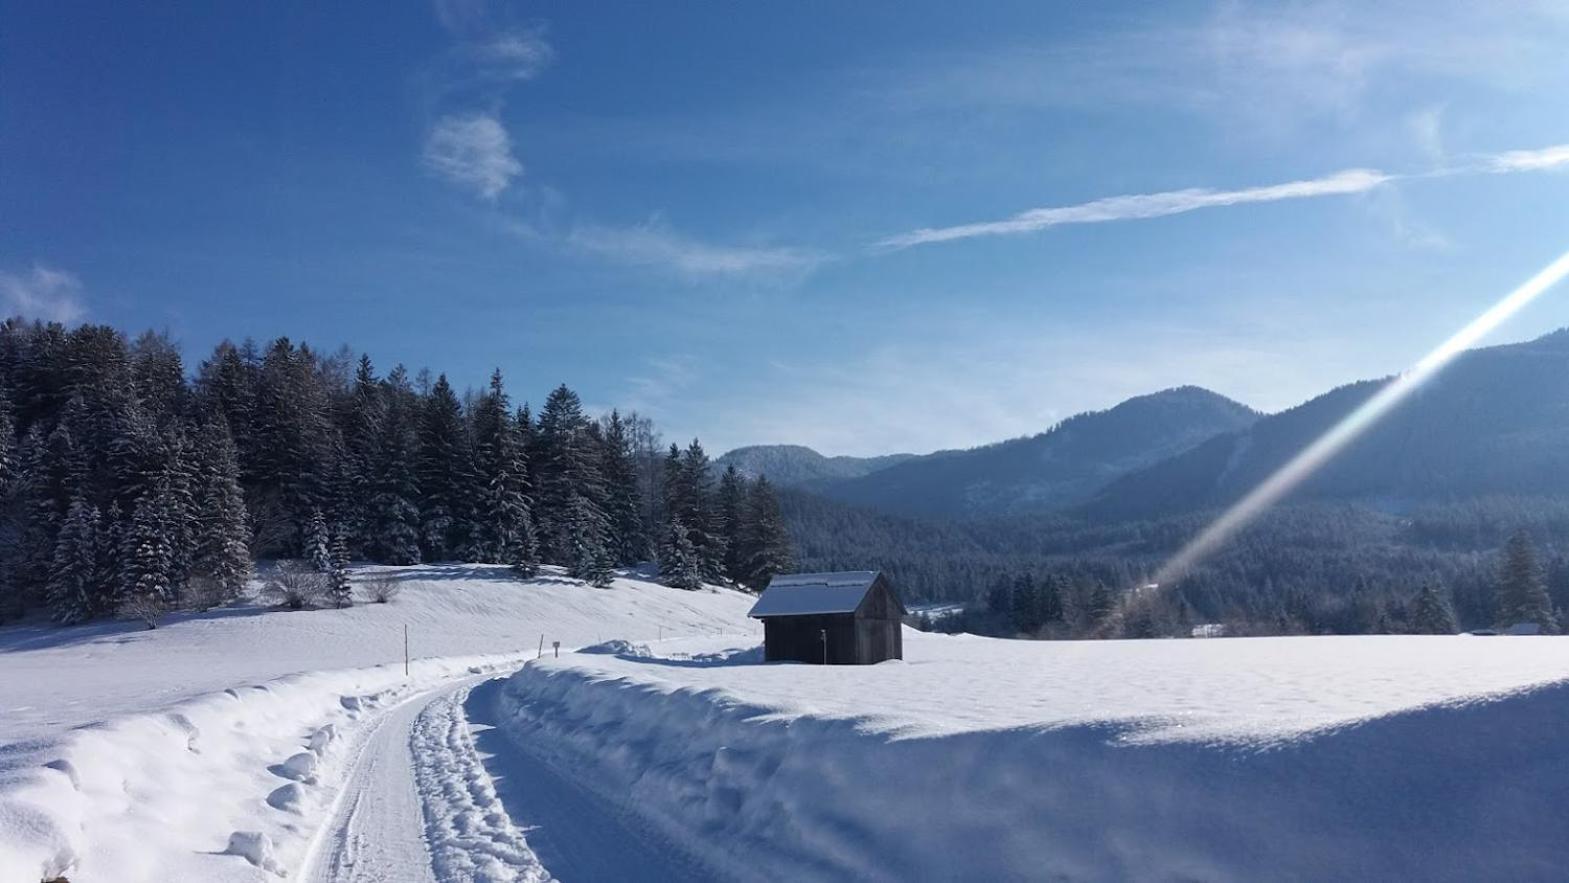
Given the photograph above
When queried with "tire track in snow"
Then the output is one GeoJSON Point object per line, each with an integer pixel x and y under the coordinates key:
{"type": "Point", "coordinates": [470, 834]}
{"type": "Point", "coordinates": [417, 806]}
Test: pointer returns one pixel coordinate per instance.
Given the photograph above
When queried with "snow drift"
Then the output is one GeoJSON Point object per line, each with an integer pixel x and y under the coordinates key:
{"type": "Point", "coordinates": [756, 773]}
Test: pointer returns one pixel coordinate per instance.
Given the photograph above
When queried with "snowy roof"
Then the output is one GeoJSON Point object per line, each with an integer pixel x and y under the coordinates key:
{"type": "Point", "coordinates": [805, 594]}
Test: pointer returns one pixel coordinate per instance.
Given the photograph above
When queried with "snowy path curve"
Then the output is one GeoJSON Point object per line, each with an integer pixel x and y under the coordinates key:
{"type": "Point", "coordinates": [417, 805]}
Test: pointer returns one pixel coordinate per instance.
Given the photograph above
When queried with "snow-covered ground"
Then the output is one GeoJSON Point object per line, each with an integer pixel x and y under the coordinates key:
{"type": "Point", "coordinates": [1271, 758]}
{"type": "Point", "coordinates": [53, 679]}
{"type": "Point", "coordinates": [251, 745]}
{"type": "Point", "coordinates": [245, 743]}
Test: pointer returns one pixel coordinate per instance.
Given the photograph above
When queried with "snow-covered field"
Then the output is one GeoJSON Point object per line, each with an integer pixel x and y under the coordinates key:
{"type": "Point", "coordinates": [1270, 758]}
{"type": "Point", "coordinates": [255, 745]}
{"type": "Point", "coordinates": [128, 754]}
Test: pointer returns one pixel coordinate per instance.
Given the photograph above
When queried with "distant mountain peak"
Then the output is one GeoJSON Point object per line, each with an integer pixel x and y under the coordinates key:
{"type": "Point", "coordinates": [801, 466]}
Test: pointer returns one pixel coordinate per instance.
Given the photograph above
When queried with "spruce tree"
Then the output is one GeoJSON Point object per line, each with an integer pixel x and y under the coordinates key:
{"type": "Point", "coordinates": [73, 592]}
{"type": "Point", "coordinates": [503, 529]}
{"type": "Point", "coordinates": [679, 566]}
{"type": "Point", "coordinates": [318, 543]}
{"type": "Point", "coordinates": [391, 517]}
{"type": "Point", "coordinates": [146, 562]}
{"type": "Point", "coordinates": [623, 499]}
{"type": "Point", "coordinates": [220, 533]}
{"type": "Point", "coordinates": [567, 474]}
{"type": "Point", "coordinates": [767, 542]}
{"type": "Point", "coordinates": [732, 510]}
{"type": "Point", "coordinates": [1522, 594]}
{"type": "Point", "coordinates": [1431, 614]}
{"type": "Point", "coordinates": [588, 558]}
{"type": "Point", "coordinates": [1026, 604]}
{"type": "Point", "coordinates": [340, 589]}
{"type": "Point", "coordinates": [445, 472]}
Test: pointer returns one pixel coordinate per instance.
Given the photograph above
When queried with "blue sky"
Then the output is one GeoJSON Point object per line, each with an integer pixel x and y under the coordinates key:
{"type": "Point", "coordinates": [865, 227]}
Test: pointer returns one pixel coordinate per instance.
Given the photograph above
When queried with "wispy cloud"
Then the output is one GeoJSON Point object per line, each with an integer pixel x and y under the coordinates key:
{"type": "Point", "coordinates": [474, 152]}
{"type": "Point", "coordinates": [654, 244]}
{"type": "Point", "coordinates": [1144, 205]}
{"type": "Point", "coordinates": [1141, 206]}
{"type": "Point", "coordinates": [467, 86]}
{"type": "Point", "coordinates": [43, 293]}
{"type": "Point", "coordinates": [1531, 160]}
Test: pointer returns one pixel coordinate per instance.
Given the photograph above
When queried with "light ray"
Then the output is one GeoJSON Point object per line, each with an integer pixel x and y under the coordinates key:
{"type": "Point", "coordinates": [1311, 458]}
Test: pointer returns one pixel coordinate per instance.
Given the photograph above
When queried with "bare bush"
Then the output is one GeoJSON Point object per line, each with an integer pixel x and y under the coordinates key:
{"type": "Point", "coordinates": [382, 589]}
{"type": "Point", "coordinates": [203, 593]}
{"type": "Point", "coordinates": [295, 586]}
{"type": "Point", "coordinates": [148, 608]}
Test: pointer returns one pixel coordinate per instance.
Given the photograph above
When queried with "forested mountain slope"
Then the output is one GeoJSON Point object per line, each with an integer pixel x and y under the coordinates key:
{"type": "Point", "coordinates": [800, 466]}
{"type": "Point", "coordinates": [1060, 467]}
{"type": "Point", "coordinates": [1496, 421]}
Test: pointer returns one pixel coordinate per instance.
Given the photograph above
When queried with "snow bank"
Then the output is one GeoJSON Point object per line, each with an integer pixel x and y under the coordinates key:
{"type": "Point", "coordinates": [214, 747]}
{"type": "Point", "coordinates": [178, 794]}
{"type": "Point", "coordinates": [1442, 759]}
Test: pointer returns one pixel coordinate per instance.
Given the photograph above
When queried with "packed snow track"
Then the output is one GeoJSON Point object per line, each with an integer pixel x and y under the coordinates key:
{"type": "Point", "coordinates": [420, 804]}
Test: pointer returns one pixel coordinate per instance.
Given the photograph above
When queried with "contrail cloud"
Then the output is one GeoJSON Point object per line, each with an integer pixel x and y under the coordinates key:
{"type": "Point", "coordinates": [1141, 206]}
{"type": "Point", "coordinates": [1288, 477]}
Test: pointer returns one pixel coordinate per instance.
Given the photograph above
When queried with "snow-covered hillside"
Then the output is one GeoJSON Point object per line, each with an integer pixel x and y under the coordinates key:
{"type": "Point", "coordinates": [1277, 758]}
{"type": "Point", "coordinates": [219, 746]}
{"type": "Point", "coordinates": [52, 679]}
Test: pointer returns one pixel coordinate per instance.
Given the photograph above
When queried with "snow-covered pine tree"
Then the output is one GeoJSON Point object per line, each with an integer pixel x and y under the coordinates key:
{"type": "Point", "coordinates": [445, 470]}
{"type": "Point", "coordinates": [111, 542]}
{"type": "Point", "coordinates": [391, 514]}
{"type": "Point", "coordinates": [73, 592]}
{"type": "Point", "coordinates": [700, 516]}
{"type": "Point", "coordinates": [1431, 613]}
{"type": "Point", "coordinates": [292, 454]}
{"type": "Point", "coordinates": [623, 500]}
{"type": "Point", "coordinates": [679, 565]}
{"type": "Point", "coordinates": [731, 507]}
{"type": "Point", "coordinates": [318, 543]}
{"type": "Point", "coordinates": [503, 530]}
{"type": "Point", "coordinates": [767, 542]}
{"type": "Point", "coordinates": [220, 537]}
{"type": "Point", "coordinates": [146, 561]}
{"type": "Point", "coordinates": [568, 467]}
{"type": "Point", "coordinates": [340, 590]}
{"type": "Point", "coordinates": [362, 437]}
{"type": "Point", "coordinates": [589, 560]}
{"type": "Point", "coordinates": [1522, 594]}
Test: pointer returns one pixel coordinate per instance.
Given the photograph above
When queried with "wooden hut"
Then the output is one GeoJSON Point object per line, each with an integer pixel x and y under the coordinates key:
{"type": "Point", "coordinates": [851, 618]}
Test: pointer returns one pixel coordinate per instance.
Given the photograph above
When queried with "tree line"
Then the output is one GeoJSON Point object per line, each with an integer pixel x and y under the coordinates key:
{"type": "Point", "coordinates": [128, 485]}
{"type": "Point", "coordinates": [1060, 603]}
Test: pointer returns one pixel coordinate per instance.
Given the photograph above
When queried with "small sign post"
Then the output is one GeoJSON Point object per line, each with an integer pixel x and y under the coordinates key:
{"type": "Point", "coordinates": [555, 646]}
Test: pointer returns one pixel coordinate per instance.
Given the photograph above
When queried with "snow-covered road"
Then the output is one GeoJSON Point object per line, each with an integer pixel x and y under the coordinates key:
{"type": "Point", "coordinates": [417, 806]}
{"type": "Point", "coordinates": [420, 804]}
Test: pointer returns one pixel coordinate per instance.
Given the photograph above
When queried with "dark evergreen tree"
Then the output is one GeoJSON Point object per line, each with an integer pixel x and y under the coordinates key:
{"type": "Point", "coordinates": [74, 593]}
{"type": "Point", "coordinates": [147, 559]}
{"type": "Point", "coordinates": [391, 517]}
{"type": "Point", "coordinates": [445, 470]}
{"type": "Point", "coordinates": [1431, 613]}
{"type": "Point", "coordinates": [588, 557]}
{"type": "Point", "coordinates": [569, 487]}
{"type": "Point", "coordinates": [767, 542]}
{"type": "Point", "coordinates": [219, 540]}
{"type": "Point", "coordinates": [318, 543]}
{"type": "Point", "coordinates": [732, 512]}
{"type": "Point", "coordinates": [503, 528]}
{"type": "Point", "coordinates": [1522, 594]}
{"type": "Point", "coordinates": [679, 565]}
{"type": "Point", "coordinates": [340, 589]}
{"type": "Point", "coordinates": [623, 499]}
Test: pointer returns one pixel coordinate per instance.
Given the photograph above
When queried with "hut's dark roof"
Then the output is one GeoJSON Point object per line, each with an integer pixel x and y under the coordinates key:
{"type": "Point", "coordinates": [808, 594]}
